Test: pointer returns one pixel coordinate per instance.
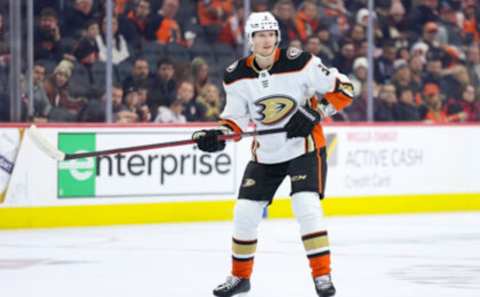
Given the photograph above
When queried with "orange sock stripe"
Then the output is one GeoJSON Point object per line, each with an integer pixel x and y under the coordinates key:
{"type": "Point", "coordinates": [320, 264]}
{"type": "Point", "coordinates": [242, 267]}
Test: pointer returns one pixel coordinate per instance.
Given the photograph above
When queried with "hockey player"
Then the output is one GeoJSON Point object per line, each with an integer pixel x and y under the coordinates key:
{"type": "Point", "coordinates": [275, 88]}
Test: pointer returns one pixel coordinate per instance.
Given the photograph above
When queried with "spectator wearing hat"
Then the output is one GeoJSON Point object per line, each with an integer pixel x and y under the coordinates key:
{"type": "Point", "coordinates": [140, 75]}
{"type": "Point", "coordinates": [359, 76]}
{"type": "Point", "coordinates": [467, 109]}
{"type": "Point", "coordinates": [86, 51]}
{"type": "Point", "coordinates": [419, 48]}
{"type": "Point", "coordinates": [120, 51]}
{"type": "Point", "coordinates": [361, 17]}
{"type": "Point", "coordinates": [433, 109]}
{"type": "Point", "coordinates": [430, 35]}
{"type": "Point", "coordinates": [407, 109]}
{"type": "Point", "coordinates": [163, 88]}
{"type": "Point", "coordinates": [56, 88]}
{"type": "Point", "coordinates": [47, 36]}
{"type": "Point", "coordinates": [385, 108]}
{"type": "Point", "coordinates": [402, 77]}
{"type": "Point", "coordinates": [384, 64]}
{"type": "Point", "coordinates": [284, 12]}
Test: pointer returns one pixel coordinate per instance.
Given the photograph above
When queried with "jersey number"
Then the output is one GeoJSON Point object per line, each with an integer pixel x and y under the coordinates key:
{"type": "Point", "coordinates": [324, 69]}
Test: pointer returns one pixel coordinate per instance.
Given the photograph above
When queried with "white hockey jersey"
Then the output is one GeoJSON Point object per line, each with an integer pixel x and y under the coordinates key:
{"type": "Point", "coordinates": [270, 97]}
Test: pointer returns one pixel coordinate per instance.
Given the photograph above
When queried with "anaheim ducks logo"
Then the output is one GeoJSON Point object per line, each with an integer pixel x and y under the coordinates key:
{"type": "Point", "coordinates": [232, 67]}
{"type": "Point", "coordinates": [275, 108]}
{"type": "Point", "coordinates": [293, 53]}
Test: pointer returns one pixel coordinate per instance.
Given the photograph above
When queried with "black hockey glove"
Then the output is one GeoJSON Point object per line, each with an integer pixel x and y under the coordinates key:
{"type": "Point", "coordinates": [207, 140]}
{"type": "Point", "coordinates": [302, 122]}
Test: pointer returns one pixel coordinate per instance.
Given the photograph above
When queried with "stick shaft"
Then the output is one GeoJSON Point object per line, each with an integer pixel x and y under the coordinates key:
{"type": "Point", "coordinates": [167, 144]}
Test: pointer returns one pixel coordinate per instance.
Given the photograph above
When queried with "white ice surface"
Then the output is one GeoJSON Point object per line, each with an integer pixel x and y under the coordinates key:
{"type": "Point", "coordinates": [380, 256]}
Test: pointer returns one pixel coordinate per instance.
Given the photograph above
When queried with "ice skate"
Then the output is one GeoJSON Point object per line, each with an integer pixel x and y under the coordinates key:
{"type": "Point", "coordinates": [233, 286]}
{"type": "Point", "coordinates": [324, 286]}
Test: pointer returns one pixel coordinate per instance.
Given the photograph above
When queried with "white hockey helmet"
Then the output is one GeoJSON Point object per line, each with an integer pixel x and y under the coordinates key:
{"type": "Point", "coordinates": [261, 21]}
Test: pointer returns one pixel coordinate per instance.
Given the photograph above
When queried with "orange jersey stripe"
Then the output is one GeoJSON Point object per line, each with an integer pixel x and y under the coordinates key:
{"type": "Point", "coordinates": [338, 100]}
{"type": "Point", "coordinates": [318, 136]}
{"type": "Point", "coordinates": [232, 126]}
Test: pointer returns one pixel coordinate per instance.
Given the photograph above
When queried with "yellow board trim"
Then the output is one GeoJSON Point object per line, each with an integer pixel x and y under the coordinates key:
{"type": "Point", "coordinates": [198, 211]}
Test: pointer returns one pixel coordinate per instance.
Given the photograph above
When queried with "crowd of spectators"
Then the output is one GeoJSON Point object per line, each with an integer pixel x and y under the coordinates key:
{"type": "Point", "coordinates": [169, 56]}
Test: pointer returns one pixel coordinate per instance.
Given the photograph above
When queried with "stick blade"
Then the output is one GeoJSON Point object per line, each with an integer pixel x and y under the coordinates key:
{"type": "Point", "coordinates": [44, 145]}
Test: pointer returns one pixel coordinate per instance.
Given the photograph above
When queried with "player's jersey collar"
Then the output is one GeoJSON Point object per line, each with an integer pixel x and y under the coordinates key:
{"type": "Point", "coordinates": [252, 64]}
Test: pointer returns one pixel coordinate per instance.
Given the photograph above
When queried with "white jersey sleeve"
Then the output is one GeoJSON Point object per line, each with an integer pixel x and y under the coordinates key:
{"type": "Point", "coordinates": [236, 109]}
{"type": "Point", "coordinates": [320, 77]}
{"type": "Point", "coordinates": [336, 88]}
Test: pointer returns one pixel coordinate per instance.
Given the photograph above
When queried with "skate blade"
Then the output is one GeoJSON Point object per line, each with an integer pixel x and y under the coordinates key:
{"type": "Point", "coordinates": [241, 295]}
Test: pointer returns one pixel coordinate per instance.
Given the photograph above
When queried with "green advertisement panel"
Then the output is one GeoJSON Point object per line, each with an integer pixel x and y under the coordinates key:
{"type": "Point", "coordinates": [76, 178]}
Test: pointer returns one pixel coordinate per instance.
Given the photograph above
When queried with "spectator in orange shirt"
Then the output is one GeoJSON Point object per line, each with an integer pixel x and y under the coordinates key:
{"type": "Point", "coordinates": [214, 12]}
{"type": "Point", "coordinates": [471, 26]}
{"type": "Point", "coordinates": [306, 20]}
{"type": "Point", "coordinates": [433, 111]}
{"type": "Point", "coordinates": [163, 27]}
{"type": "Point", "coordinates": [212, 15]}
{"type": "Point", "coordinates": [232, 31]}
{"type": "Point", "coordinates": [133, 25]}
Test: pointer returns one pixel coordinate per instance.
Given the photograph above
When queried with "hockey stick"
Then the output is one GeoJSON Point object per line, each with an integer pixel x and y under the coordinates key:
{"type": "Point", "coordinates": [44, 145]}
